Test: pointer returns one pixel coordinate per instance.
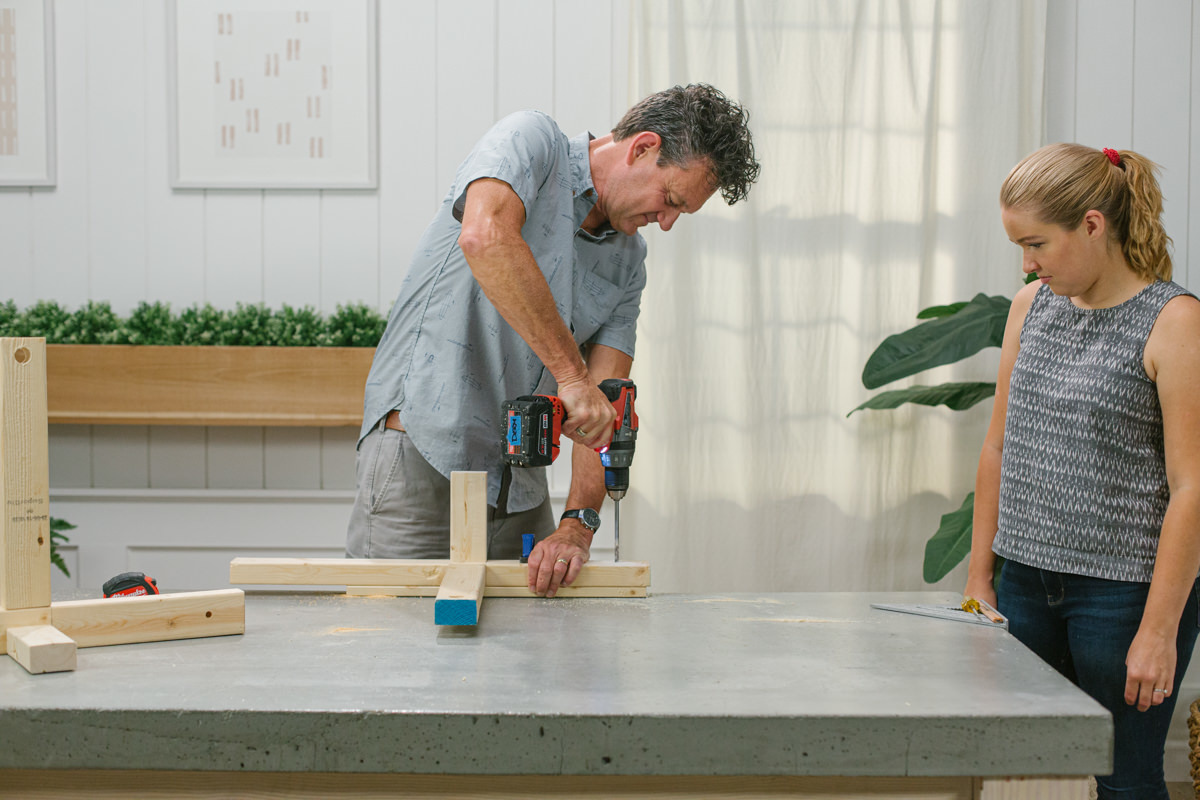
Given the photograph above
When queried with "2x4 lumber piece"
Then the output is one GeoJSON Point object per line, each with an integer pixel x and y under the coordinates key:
{"type": "Point", "coordinates": [151, 618]}
{"type": "Point", "coordinates": [41, 648]}
{"type": "Point", "coordinates": [498, 591]}
{"type": "Point", "coordinates": [20, 619]}
{"type": "Point", "coordinates": [460, 595]}
{"type": "Point", "coordinates": [414, 572]}
{"type": "Point", "coordinates": [24, 475]}
{"type": "Point", "coordinates": [468, 516]}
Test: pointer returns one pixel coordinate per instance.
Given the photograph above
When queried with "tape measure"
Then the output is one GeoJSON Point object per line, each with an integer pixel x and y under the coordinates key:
{"type": "Point", "coordinates": [130, 584]}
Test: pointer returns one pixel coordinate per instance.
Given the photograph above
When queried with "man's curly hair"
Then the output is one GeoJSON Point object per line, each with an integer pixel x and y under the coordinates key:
{"type": "Point", "coordinates": [694, 122]}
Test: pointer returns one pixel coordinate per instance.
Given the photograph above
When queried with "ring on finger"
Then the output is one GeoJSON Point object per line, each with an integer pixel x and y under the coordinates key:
{"type": "Point", "coordinates": [1160, 691]}
{"type": "Point", "coordinates": [562, 561]}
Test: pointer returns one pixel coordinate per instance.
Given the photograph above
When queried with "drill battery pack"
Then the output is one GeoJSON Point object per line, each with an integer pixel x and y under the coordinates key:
{"type": "Point", "coordinates": [532, 427]}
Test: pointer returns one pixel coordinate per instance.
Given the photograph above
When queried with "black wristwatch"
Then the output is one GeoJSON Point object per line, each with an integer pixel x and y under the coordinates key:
{"type": "Point", "coordinates": [588, 516]}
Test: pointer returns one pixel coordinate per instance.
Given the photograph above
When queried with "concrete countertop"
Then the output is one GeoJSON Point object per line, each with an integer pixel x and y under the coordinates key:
{"type": "Point", "coordinates": [743, 684]}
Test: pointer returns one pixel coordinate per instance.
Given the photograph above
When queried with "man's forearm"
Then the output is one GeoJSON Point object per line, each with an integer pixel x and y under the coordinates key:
{"type": "Point", "coordinates": [512, 281]}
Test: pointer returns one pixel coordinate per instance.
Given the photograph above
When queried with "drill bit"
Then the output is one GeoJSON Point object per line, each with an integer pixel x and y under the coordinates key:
{"type": "Point", "coordinates": [616, 530]}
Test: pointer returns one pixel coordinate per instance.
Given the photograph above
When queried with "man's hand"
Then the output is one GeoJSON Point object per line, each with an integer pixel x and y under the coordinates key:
{"type": "Point", "coordinates": [590, 415]}
{"type": "Point", "coordinates": [557, 559]}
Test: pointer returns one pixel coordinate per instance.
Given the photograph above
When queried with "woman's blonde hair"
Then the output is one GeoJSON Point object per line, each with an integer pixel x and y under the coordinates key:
{"type": "Point", "coordinates": [1060, 183]}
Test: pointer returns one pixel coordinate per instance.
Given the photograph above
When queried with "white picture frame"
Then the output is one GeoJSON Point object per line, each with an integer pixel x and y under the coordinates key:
{"type": "Point", "coordinates": [272, 94]}
{"type": "Point", "coordinates": [27, 136]}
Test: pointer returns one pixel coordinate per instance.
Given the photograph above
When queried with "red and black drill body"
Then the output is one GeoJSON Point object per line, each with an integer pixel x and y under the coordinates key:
{"type": "Point", "coordinates": [533, 428]}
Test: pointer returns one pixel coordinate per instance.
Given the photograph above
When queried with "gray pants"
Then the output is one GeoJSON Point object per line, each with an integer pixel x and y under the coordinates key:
{"type": "Point", "coordinates": [402, 507]}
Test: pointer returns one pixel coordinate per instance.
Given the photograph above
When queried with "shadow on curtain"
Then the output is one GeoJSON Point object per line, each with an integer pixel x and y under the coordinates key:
{"type": "Point", "coordinates": [884, 130]}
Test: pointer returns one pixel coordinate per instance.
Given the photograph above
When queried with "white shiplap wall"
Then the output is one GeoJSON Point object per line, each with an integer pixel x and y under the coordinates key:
{"type": "Point", "coordinates": [113, 230]}
{"type": "Point", "coordinates": [1124, 74]}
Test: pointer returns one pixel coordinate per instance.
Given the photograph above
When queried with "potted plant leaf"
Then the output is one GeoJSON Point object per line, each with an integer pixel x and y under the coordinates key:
{"type": "Point", "coordinates": [947, 335]}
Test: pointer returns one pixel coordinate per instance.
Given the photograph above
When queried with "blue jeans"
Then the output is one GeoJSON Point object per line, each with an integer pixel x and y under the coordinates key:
{"type": "Point", "coordinates": [1083, 627]}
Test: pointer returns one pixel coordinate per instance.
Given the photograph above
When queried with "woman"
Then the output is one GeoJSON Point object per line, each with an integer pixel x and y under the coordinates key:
{"type": "Point", "coordinates": [1089, 479]}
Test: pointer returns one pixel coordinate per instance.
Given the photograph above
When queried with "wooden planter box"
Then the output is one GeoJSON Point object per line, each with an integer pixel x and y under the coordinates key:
{"type": "Point", "coordinates": [152, 385]}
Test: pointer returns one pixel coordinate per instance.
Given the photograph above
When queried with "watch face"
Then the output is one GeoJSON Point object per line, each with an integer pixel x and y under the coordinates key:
{"type": "Point", "coordinates": [590, 518]}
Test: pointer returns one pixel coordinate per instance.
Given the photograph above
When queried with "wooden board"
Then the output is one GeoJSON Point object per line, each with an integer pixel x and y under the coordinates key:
{"type": "Point", "coordinates": [21, 618]}
{"type": "Point", "coordinates": [414, 572]}
{"type": "Point", "coordinates": [460, 595]}
{"type": "Point", "coordinates": [152, 618]}
{"type": "Point", "coordinates": [498, 591]}
{"type": "Point", "coordinates": [41, 648]}
{"type": "Point", "coordinates": [468, 516]}
{"type": "Point", "coordinates": [24, 475]}
{"type": "Point", "coordinates": [152, 385]}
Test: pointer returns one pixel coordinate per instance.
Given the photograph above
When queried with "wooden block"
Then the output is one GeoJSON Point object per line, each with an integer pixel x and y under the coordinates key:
{"type": "Point", "coordinates": [414, 572]}
{"type": "Point", "coordinates": [152, 618]}
{"type": "Point", "coordinates": [460, 596]}
{"type": "Point", "coordinates": [593, 574]}
{"type": "Point", "coordinates": [498, 591]}
{"type": "Point", "coordinates": [1040, 788]}
{"type": "Point", "coordinates": [24, 475]}
{"type": "Point", "coordinates": [568, 591]}
{"type": "Point", "coordinates": [468, 516]}
{"type": "Point", "coordinates": [41, 648]}
{"type": "Point", "coordinates": [22, 618]}
{"type": "Point", "coordinates": [337, 571]}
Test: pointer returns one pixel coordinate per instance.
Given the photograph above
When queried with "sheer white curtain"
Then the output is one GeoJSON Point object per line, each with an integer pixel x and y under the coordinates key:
{"type": "Point", "coordinates": [884, 129]}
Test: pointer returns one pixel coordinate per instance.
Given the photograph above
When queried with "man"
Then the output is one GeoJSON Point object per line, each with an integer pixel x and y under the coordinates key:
{"type": "Point", "coordinates": [528, 281]}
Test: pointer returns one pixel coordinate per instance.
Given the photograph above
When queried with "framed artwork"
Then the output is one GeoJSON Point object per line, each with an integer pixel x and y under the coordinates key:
{"type": "Point", "coordinates": [272, 94]}
{"type": "Point", "coordinates": [27, 142]}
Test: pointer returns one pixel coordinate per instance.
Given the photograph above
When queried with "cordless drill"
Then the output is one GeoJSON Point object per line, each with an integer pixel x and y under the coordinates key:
{"type": "Point", "coordinates": [533, 425]}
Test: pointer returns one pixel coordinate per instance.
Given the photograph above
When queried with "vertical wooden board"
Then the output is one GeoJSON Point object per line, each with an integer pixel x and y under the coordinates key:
{"type": "Point", "coordinates": [349, 249]}
{"type": "Point", "coordinates": [1104, 70]}
{"type": "Point", "coordinates": [174, 219]}
{"type": "Point", "coordinates": [24, 475]}
{"type": "Point", "coordinates": [525, 47]}
{"type": "Point", "coordinates": [465, 69]}
{"type": "Point", "coordinates": [409, 191]}
{"type": "Point", "coordinates": [41, 648]}
{"type": "Point", "coordinates": [1162, 115]}
{"type": "Point", "coordinates": [292, 249]}
{"type": "Point", "coordinates": [116, 167]}
{"type": "Point", "coordinates": [468, 516]}
{"type": "Point", "coordinates": [60, 225]}
{"type": "Point", "coordinates": [1060, 71]}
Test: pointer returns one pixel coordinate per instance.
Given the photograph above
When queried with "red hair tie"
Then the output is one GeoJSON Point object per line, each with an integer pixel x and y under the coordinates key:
{"type": "Point", "coordinates": [1113, 156]}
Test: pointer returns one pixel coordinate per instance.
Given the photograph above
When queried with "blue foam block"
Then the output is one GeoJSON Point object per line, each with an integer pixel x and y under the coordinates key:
{"type": "Point", "coordinates": [455, 612]}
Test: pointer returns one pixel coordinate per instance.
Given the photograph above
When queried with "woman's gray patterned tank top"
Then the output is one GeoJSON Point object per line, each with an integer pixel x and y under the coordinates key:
{"type": "Point", "coordinates": [1083, 482]}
